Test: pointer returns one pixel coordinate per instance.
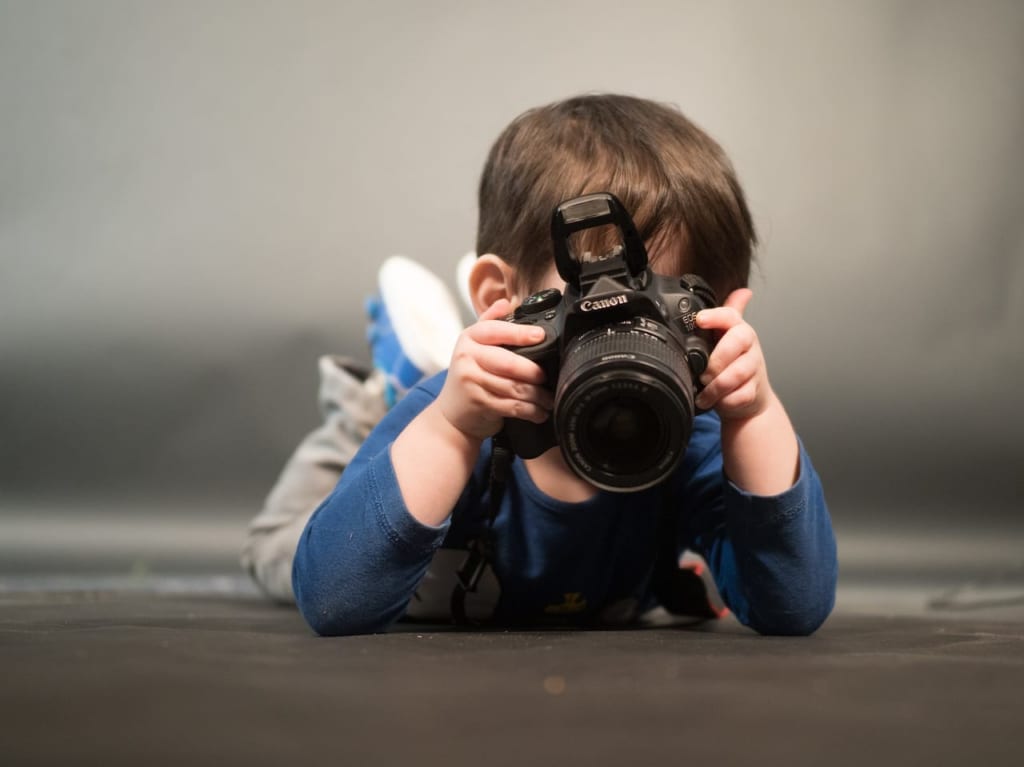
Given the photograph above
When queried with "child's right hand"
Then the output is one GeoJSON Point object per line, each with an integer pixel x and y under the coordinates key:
{"type": "Point", "coordinates": [487, 383]}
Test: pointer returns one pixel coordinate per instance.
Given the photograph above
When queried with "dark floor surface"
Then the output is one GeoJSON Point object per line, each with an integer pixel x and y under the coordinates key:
{"type": "Point", "coordinates": [144, 667]}
{"type": "Point", "coordinates": [123, 677]}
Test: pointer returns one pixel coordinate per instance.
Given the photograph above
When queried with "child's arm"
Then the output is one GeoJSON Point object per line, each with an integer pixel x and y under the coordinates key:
{"type": "Point", "coordinates": [435, 454]}
{"type": "Point", "coordinates": [775, 556]}
{"type": "Point", "coordinates": [367, 547]}
{"type": "Point", "coordinates": [759, 445]}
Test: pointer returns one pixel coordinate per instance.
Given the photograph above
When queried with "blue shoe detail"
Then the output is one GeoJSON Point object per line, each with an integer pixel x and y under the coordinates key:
{"type": "Point", "coordinates": [413, 325]}
{"type": "Point", "coordinates": [388, 356]}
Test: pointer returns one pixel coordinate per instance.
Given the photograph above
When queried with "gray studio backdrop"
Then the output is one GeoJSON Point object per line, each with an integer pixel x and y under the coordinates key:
{"type": "Point", "coordinates": [195, 198]}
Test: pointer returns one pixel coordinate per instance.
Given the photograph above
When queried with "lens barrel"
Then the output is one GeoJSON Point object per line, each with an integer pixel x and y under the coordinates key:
{"type": "Point", "coordinates": [624, 405]}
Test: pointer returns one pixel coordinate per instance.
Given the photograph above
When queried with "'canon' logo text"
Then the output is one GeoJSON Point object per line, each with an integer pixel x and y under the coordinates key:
{"type": "Point", "coordinates": [603, 303]}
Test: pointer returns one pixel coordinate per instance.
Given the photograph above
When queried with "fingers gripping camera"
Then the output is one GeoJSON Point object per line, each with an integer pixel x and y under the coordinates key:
{"type": "Point", "coordinates": [622, 353]}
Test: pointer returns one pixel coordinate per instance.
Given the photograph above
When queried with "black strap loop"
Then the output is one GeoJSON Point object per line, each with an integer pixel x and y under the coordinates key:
{"type": "Point", "coordinates": [481, 549]}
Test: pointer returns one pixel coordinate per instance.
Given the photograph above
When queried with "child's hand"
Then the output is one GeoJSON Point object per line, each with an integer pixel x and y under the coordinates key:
{"type": "Point", "coordinates": [487, 383]}
{"type": "Point", "coordinates": [736, 380]}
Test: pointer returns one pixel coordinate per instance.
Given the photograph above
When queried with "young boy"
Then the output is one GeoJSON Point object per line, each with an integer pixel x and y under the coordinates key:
{"type": "Point", "coordinates": [390, 539]}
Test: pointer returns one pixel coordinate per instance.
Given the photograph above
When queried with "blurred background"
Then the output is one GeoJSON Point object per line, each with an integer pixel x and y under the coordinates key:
{"type": "Point", "coordinates": [195, 198]}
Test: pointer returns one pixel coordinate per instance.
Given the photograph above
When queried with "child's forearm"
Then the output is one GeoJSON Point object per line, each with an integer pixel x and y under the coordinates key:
{"type": "Point", "coordinates": [760, 454]}
{"type": "Point", "coordinates": [775, 557]}
{"type": "Point", "coordinates": [433, 462]}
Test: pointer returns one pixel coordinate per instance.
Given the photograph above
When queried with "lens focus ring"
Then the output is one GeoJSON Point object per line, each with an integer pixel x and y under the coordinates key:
{"type": "Point", "coordinates": [628, 342]}
{"type": "Point", "coordinates": [624, 405]}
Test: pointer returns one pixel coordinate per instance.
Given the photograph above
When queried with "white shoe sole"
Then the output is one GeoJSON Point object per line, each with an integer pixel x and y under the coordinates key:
{"type": "Point", "coordinates": [422, 311]}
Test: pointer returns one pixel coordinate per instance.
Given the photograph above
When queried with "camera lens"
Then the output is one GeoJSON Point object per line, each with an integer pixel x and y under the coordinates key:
{"type": "Point", "coordinates": [624, 405]}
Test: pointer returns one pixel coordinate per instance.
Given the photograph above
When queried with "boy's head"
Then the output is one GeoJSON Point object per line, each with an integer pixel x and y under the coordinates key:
{"type": "Point", "coordinates": [673, 179]}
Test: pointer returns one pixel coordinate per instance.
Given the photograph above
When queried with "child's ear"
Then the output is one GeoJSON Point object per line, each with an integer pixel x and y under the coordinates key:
{"type": "Point", "coordinates": [490, 279]}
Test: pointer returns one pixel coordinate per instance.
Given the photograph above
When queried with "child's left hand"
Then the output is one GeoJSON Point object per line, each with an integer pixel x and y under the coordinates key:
{"type": "Point", "coordinates": [736, 379]}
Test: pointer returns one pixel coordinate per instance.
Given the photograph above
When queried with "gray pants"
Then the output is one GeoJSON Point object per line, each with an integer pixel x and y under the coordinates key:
{"type": "Point", "coordinates": [351, 401]}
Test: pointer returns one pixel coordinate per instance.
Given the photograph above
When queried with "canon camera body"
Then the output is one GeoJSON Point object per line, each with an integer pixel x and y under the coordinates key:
{"type": "Point", "coordinates": [621, 351]}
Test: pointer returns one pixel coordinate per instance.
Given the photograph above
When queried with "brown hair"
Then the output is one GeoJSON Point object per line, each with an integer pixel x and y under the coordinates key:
{"type": "Point", "coordinates": [674, 180]}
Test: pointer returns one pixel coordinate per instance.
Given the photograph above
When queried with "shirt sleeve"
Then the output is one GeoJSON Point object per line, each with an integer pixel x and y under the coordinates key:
{"type": "Point", "coordinates": [362, 554]}
{"type": "Point", "coordinates": [773, 557]}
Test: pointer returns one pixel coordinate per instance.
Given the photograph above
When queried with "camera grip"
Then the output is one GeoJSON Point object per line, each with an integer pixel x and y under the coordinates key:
{"type": "Point", "coordinates": [529, 440]}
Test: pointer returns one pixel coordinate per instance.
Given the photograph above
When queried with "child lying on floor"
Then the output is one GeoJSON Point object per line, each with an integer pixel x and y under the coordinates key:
{"type": "Point", "coordinates": [390, 539]}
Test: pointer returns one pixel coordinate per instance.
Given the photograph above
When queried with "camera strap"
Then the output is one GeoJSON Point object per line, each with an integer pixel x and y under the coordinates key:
{"type": "Point", "coordinates": [480, 554]}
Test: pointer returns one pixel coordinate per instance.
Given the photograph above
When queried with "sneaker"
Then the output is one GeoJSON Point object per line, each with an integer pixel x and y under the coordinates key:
{"type": "Point", "coordinates": [413, 325]}
{"type": "Point", "coordinates": [691, 590]}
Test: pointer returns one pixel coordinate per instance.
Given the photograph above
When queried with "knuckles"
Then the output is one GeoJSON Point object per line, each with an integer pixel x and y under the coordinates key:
{"type": "Point", "coordinates": [520, 409]}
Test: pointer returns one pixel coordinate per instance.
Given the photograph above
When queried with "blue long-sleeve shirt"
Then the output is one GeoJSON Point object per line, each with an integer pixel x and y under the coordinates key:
{"type": "Point", "coordinates": [363, 556]}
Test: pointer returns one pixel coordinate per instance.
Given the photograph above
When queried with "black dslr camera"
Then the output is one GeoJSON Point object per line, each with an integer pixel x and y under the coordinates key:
{"type": "Point", "coordinates": [622, 353]}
